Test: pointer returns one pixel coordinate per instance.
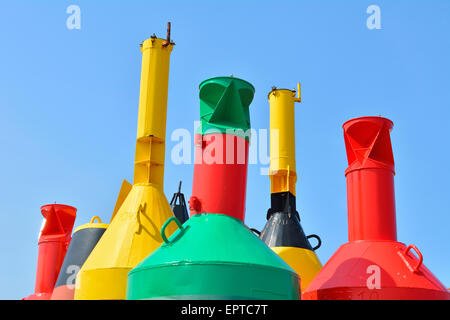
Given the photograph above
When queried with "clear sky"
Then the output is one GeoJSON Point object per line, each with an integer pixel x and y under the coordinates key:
{"type": "Point", "coordinates": [69, 101]}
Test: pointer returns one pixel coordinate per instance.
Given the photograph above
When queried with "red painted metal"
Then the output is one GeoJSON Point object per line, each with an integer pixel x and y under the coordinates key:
{"type": "Point", "coordinates": [53, 243]}
{"type": "Point", "coordinates": [220, 175]}
{"type": "Point", "coordinates": [370, 179]}
{"type": "Point", "coordinates": [373, 265]}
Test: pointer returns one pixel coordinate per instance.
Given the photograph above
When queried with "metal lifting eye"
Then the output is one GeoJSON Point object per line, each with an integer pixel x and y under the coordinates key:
{"type": "Point", "coordinates": [319, 241]}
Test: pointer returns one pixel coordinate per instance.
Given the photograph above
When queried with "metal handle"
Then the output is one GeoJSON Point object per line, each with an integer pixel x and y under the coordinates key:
{"type": "Point", "coordinates": [255, 231]}
{"type": "Point", "coordinates": [96, 218]}
{"type": "Point", "coordinates": [163, 229]}
{"type": "Point", "coordinates": [411, 246]}
{"type": "Point", "coordinates": [140, 210]}
{"type": "Point", "coordinates": [319, 241]}
{"type": "Point", "coordinates": [299, 93]}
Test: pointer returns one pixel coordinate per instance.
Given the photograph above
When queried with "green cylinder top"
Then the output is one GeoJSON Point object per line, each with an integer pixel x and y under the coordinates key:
{"type": "Point", "coordinates": [224, 105]}
{"type": "Point", "coordinates": [204, 260]}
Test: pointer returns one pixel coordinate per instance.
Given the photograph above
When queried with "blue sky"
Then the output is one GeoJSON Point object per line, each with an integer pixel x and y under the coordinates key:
{"type": "Point", "coordinates": [69, 99]}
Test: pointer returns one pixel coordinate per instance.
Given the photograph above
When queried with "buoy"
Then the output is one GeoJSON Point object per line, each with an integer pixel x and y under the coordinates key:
{"type": "Point", "coordinates": [214, 255]}
{"type": "Point", "coordinates": [134, 232]}
{"type": "Point", "coordinates": [283, 231]}
{"type": "Point", "coordinates": [373, 265]}
{"type": "Point", "coordinates": [84, 239]}
{"type": "Point", "coordinates": [54, 240]}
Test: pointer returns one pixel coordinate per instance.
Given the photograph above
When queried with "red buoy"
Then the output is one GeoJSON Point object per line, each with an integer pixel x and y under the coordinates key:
{"type": "Point", "coordinates": [54, 240]}
{"type": "Point", "coordinates": [373, 265]}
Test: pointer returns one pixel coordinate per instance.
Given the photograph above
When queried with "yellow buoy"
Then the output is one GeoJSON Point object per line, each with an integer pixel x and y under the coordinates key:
{"type": "Point", "coordinates": [134, 231]}
{"type": "Point", "coordinates": [283, 231]}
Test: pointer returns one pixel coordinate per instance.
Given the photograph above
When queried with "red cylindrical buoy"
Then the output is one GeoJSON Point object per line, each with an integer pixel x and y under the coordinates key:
{"type": "Point", "coordinates": [221, 148]}
{"type": "Point", "coordinates": [54, 240]}
{"type": "Point", "coordinates": [373, 265]}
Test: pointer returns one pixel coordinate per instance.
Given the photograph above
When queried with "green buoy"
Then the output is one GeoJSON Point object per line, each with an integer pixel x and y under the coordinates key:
{"type": "Point", "coordinates": [213, 255]}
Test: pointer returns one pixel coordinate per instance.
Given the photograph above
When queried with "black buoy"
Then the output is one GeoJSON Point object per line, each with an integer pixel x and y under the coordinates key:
{"type": "Point", "coordinates": [84, 240]}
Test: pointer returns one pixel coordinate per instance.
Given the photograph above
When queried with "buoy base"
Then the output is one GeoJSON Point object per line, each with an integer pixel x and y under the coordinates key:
{"type": "Point", "coordinates": [102, 284]}
{"type": "Point", "coordinates": [65, 292]}
{"type": "Point", "coordinates": [133, 234]}
{"type": "Point", "coordinates": [375, 270]}
{"type": "Point", "coordinates": [39, 296]}
{"type": "Point", "coordinates": [213, 256]}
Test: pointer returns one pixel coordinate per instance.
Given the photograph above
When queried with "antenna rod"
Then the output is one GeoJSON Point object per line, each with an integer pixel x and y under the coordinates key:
{"type": "Point", "coordinates": [167, 42]}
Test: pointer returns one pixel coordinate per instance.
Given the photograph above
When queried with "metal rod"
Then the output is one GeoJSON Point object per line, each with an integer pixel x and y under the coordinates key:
{"type": "Point", "coordinates": [167, 42]}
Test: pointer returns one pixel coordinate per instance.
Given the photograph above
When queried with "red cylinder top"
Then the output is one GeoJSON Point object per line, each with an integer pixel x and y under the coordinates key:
{"type": "Point", "coordinates": [54, 240]}
{"type": "Point", "coordinates": [370, 179]}
{"type": "Point", "coordinates": [59, 221]}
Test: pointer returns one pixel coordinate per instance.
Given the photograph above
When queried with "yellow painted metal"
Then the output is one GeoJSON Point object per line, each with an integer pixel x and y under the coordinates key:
{"type": "Point", "coordinates": [283, 175]}
{"type": "Point", "coordinates": [125, 189]}
{"type": "Point", "coordinates": [134, 232]}
{"type": "Point", "coordinates": [303, 261]}
{"type": "Point", "coordinates": [151, 132]}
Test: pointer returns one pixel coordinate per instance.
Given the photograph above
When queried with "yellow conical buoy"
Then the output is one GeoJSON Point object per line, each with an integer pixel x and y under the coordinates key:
{"type": "Point", "coordinates": [134, 231]}
{"type": "Point", "coordinates": [283, 231]}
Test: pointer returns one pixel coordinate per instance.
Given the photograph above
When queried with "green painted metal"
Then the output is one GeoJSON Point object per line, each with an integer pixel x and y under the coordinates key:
{"type": "Point", "coordinates": [213, 256]}
{"type": "Point", "coordinates": [224, 105]}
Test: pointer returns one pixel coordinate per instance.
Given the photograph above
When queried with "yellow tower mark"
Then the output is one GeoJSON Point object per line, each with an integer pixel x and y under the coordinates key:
{"type": "Point", "coordinates": [141, 210]}
{"type": "Point", "coordinates": [283, 177]}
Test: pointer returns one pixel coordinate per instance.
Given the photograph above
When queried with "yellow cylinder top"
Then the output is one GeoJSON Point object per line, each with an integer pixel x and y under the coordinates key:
{"type": "Point", "coordinates": [151, 131]}
{"type": "Point", "coordinates": [282, 172]}
{"type": "Point", "coordinates": [154, 88]}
